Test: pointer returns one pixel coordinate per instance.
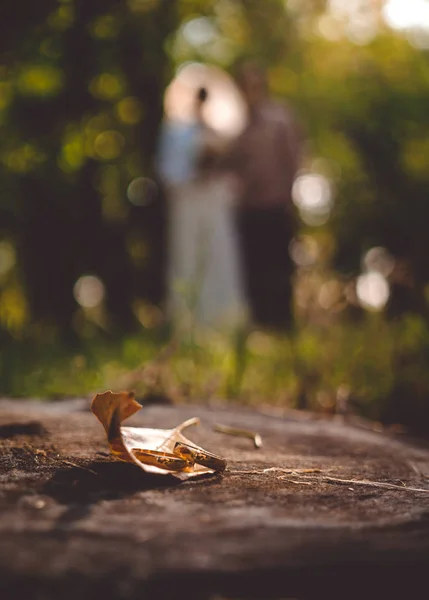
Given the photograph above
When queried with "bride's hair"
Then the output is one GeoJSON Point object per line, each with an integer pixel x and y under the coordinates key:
{"type": "Point", "coordinates": [202, 94]}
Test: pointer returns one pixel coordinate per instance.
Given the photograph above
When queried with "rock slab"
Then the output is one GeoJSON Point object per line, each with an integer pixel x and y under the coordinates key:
{"type": "Point", "coordinates": [322, 510]}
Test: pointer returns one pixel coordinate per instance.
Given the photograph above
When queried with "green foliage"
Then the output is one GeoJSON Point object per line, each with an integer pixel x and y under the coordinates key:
{"type": "Point", "coordinates": [365, 363]}
{"type": "Point", "coordinates": [81, 100]}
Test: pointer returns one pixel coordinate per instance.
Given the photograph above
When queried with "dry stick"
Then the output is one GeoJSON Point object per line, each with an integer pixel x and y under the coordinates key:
{"type": "Point", "coordinates": [68, 462]}
{"type": "Point", "coordinates": [291, 471]}
{"type": "Point", "coordinates": [304, 474]}
{"type": "Point", "coordinates": [380, 484]}
{"type": "Point", "coordinates": [253, 435]}
{"type": "Point", "coordinates": [272, 469]}
{"type": "Point", "coordinates": [283, 478]}
{"type": "Point", "coordinates": [232, 473]}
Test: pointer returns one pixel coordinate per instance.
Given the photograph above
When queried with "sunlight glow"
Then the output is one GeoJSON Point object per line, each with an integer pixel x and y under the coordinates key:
{"type": "Point", "coordinates": [359, 19]}
{"type": "Point", "coordinates": [403, 14]}
{"type": "Point", "coordinates": [224, 110]}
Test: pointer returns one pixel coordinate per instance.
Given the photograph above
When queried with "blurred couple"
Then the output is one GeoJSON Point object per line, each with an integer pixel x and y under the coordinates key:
{"type": "Point", "coordinates": [231, 216]}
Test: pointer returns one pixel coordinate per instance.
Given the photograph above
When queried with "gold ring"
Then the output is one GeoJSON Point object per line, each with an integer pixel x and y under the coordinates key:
{"type": "Point", "coordinates": [162, 460]}
{"type": "Point", "coordinates": [201, 457]}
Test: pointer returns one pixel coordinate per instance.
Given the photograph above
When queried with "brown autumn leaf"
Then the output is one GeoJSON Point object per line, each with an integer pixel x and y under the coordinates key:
{"type": "Point", "coordinates": [159, 451]}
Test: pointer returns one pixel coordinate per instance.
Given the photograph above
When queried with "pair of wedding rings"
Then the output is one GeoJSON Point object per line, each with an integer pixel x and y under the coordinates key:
{"type": "Point", "coordinates": [183, 458]}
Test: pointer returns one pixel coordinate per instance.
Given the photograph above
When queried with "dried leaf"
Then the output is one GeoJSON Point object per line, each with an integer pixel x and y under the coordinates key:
{"type": "Point", "coordinates": [160, 451]}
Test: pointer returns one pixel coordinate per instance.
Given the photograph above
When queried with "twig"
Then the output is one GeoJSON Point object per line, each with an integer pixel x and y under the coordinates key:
{"type": "Point", "coordinates": [291, 471]}
{"type": "Point", "coordinates": [304, 474]}
{"type": "Point", "coordinates": [245, 472]}
{"type": "Point", "coordinates": [253, 435]}
{"type": "Point", "coordinates": [379, 484]}
{"type": "Point", "coordinates": [68, 462]}
{"type": "Point", "coordinates": [294, 481]}
{"type": "Point", "coordinates": [275, 469]}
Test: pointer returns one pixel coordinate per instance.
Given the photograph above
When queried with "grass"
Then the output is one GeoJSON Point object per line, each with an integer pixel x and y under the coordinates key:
{"type": "Point", "coordinates": [325, 368]}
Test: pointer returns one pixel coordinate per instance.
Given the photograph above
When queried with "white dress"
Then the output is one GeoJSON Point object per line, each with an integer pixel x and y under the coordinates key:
{"type": "Point", "coordinates": [204, 272]}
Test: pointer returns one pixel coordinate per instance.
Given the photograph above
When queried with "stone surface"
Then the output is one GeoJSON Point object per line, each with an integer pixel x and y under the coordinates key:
{"type": "Point", "coordinates": [76, 524]}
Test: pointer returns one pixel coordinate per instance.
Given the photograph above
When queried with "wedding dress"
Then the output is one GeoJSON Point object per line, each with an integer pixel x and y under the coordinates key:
{"type": "Point", "coordinates": [204, 274]}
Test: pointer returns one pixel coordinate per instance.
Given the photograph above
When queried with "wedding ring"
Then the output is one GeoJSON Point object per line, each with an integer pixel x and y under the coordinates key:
{"type": "Point", "coordinates": [162, 460]}
{"type": "Point", "coordinates": [201, 457]}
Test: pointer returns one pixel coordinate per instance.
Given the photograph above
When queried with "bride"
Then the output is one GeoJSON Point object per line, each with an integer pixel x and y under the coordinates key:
{"type": "Point", "coordinates": [204, 275]}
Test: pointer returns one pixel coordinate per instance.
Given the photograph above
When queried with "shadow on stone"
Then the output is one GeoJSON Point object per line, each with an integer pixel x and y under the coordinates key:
{"type": "Point", "coordinates": [11, 430]}
{"type": "Point", "coordinates": [102, 480]}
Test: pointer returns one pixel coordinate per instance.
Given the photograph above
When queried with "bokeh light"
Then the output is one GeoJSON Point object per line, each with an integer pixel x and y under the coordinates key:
{"type": "Point", "coordinates": [418, 37]}
{"type": "Point", "coordinates": [40, 80]}
{"type": "Point", "coordinates": [380, 260]}
{"type": "Point", "coordinates": [62, 18]}
{"type": "Point", "coordinates": [129, 110]}
{"type": "Point", "coordinates": [142, 191]}
{"type": "Point", "coordinates": [106, 27]}
{"type": "Point", "coordinates": [330, 294]}
{"type": "Point", "coordinates": [13, 308]}
{"type": "Point", "coordinates": [372, 290]}
{"type": "Point", "coordinates": [304, 251]}
{"type": "Point", "coordinates": [24, 158]}
{"type": "Point", "coordinates": [330, 27]}
{"type": "Point", "coordinates": [7, 258]}
{"type": "Point", "coordinates": [149, 315]}
{"type": "Point", "coordinates": [107, 86]}
{"type": "Point", "coordinates": [108, 145]}
{"type": "Point", "coordinates": [199, 31]}
{"type": "Point", "coordinates": [312, 194]}
{"type": "Point", "coordinates": [403, 14]}
{"type": "Point", "coordinates": [5, 94]}
{"type": "Point", "coordinates": [72, 155]}
{"type": "Point", "coordinates": [357, 18]}
{"type": "Point", "coordinates": [89, 291]}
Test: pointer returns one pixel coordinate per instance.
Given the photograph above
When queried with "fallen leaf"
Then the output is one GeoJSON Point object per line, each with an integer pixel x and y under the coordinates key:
{"type": "Point", "coordinates": [160, 451]}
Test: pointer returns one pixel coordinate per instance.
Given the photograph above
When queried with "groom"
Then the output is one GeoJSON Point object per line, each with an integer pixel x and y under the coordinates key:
{"type": "Point", "coordinates": [265, 159]}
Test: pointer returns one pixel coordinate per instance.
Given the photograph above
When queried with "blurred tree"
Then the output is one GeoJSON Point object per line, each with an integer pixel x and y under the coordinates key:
{"type": "Point", "coordinates": [82, 100]}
